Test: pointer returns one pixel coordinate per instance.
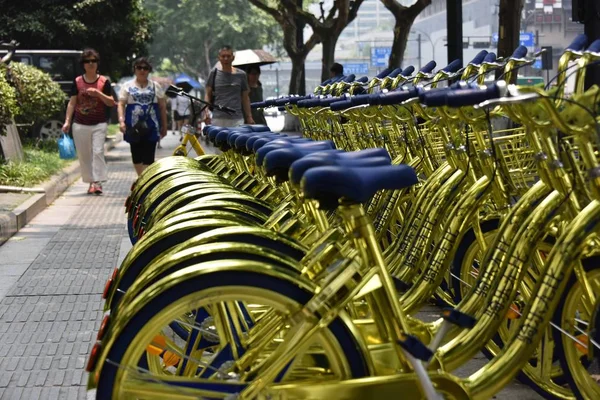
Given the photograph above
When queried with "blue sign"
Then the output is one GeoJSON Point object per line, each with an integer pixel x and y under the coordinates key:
{"type": "Point", "coordinates": [525, 39]}
{"type": "Point", "coordinates": [537, 64]}
{"type": "Point", "coordinates": [380, 56]}
{"type": "Point", "coordinates": [356, 68]}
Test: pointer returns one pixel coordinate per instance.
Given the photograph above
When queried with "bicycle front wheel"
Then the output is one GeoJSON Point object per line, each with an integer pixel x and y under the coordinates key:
{"type": "Point", "coordinates": [148, 352]}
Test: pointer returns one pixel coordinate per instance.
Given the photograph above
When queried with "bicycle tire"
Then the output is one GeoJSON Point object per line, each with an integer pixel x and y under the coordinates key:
{"type": "Point", "coordinates": [240, 279]}
{"type": "Point", "coordinates": [572, 371]}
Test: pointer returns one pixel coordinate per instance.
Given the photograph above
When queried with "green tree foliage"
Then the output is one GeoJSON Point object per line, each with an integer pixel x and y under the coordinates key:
{"type": "Point", "coordinates": [118, 29]}
{"type": "Point", "coordinates": [38, 96]}
{"type": "Point", "coordinates": [189, 32]}
{"type": "Point", "coordinates": [8, 101]}
{"type": "Point", "coordinates": [293, 15]}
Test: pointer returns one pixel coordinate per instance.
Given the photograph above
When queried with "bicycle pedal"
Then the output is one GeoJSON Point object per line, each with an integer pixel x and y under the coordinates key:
{"type": "Point", "coordinates": [458, 318]}
{"type": "Point", "coordinates": [416, 348]}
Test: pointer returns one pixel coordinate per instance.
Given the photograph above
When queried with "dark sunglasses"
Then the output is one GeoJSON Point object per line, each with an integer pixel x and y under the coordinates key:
{"type": "Point", "coordinates": [142, 68]}
{"type": "Point", "coordinates": [92, 61]}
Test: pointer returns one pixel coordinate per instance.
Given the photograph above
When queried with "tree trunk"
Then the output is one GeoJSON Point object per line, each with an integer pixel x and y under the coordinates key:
{"type": "Point", "coordinates": [401, 32]}
{"type": "Point", "coordinates": [510, 25]}
{"type": "Point", "coordinates": [404, 18]}
{"type": "Point", "coordinates": [297, 81]}
{"type": "Point", "coordinates": [328, 57]}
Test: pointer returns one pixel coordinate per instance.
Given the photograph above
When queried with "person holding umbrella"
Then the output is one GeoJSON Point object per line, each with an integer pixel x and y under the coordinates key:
{"type": "Point", "coordinates": [256, 92]}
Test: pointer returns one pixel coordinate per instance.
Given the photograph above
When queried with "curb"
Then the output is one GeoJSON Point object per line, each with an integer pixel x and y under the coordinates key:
{"type": "Point", "coordinates": [15, 220]}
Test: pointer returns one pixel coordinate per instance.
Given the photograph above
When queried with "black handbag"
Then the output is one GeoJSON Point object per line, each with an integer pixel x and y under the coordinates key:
{"type": "Point", "coordinates": [138, 132]}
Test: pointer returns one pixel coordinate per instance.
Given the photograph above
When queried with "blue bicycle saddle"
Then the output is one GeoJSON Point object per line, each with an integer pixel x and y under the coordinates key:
{"type": "Point", "coordinates": [304, 145]}
{"type": "Point", "coordinates": [364, 158]}
{"type": "Point", "coordinates": [356, 185]}
{"type": "Point", "coordinates": [277, 162]}
{"type": "Point", "coordinates": [250, 142]}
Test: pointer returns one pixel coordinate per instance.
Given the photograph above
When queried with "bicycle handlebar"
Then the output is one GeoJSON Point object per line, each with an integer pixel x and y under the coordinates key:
{"type": "Point", "coordinates": [453, 67]}
{"type": "Point", "coordinates": [428, 68]}
{"type": "Point", "coordinates": [490, 58]}
{"type": "Point", "coordinates": [384, 73]}
{"type": "Point", "coordinates": [579, 43]}
{"type": "Point", "coordinates": [520, 52]}
{"type": "Point", "coordinates": [177, 91]}
{"type": "Point", "coordinates": [594, 47]}
{"type": "Point", "coordinates": [408, 71]}
{"type": "Point", "coordinates": [478, 59]}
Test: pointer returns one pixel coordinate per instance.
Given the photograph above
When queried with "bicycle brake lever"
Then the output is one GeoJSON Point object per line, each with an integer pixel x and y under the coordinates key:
{"type": "Point", "coordinates": [225, 109]}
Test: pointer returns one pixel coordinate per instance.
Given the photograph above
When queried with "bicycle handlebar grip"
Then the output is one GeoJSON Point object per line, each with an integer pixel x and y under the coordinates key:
{"type": "Point", "coordinates": [579, 43]}
{"type": "Point", "coordinates": [408, 71]}
{"type": "Point", "coordinates": [478, 59]}
{"type": "Point", "coordinates": [360, 99]}
{"type": "Point", "coordinates": [281, 101]}
{"type": "Point", "coordinates": [435, 97]}
{"type": "Point", "coordinates": [259, 104]}
{"type": "Point", "coordinates": [395, 73]}
{"type": "Point", "coordinates": [341, 105]}
{"type": "Point", "coordinates": [490, 57]}
{"type": "Point", "coordinates": [270, 102]}
{"type": "Point", "coordinates": [295, 100]}
{"type": "Point", "coordinates": [326, 102]}
{"type": "Point", "coordinates": [469, 97]}
{"type": "Point", "coordinates": [453, 66]}
{"type": "Point", "coordinates": [363, 79]}
{"type": "Point", "coordinates": [520, 52]}
{"type": "Point", "coordinates": [464, 85]}
{"type": "Point", "coordinates": [227, 110]}
{"type": "Point", "coordinates": [309, 103]}
{"type": "Point", "coordinates": [594, 47]}
{"type": "Point", "coordinates": [349, 78]}
{"type": "Point", "coordinates": [395, 97]}
{"type": "Point", "coordinates": [384, 73]}
{"type": "Point", "coordinates": [428, 67]}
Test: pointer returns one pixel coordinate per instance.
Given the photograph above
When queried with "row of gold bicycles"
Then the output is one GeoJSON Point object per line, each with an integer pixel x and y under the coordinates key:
{"type": "Point", "coordinates": [295, 267]}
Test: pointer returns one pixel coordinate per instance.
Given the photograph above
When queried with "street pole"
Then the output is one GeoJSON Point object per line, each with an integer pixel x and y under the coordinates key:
{"type": "Point", "coordinates": [454, 28]}
{"type": "Point", "coordinates": [592, 31]}
{"type": "Point", "coordinates": [419, 43]}
{"type": "Point", "coordinates": [300, 44]}
{"type": "Point", "coordinates": [277, 80]}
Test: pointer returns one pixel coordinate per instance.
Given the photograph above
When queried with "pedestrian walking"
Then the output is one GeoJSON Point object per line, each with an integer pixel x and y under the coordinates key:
{"type": "Point", "coordinates": [256, 93]}
{"type": "Point", "coordinates": [87, 114]}
{"type": "Point", "coordinates": [228, 86]}
{"type": "Point", "coordinates": [142, 114]}
{"type": "Point", "coordinates": [181, 104]}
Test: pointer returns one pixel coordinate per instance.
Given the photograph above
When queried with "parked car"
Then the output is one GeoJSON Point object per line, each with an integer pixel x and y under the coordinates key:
{"type": "Point", "coordinates": [63, 67]}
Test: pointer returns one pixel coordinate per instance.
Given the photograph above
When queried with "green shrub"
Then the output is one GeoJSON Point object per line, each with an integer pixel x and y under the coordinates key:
{"type": "Point", "coordinates": [38, 96]}
{"type": "Point", "coordinates": [8, 102]}
{"type": "Point", "coordinates": [47, 145]}
{"type": "Point", "coordinates": [39, 165]}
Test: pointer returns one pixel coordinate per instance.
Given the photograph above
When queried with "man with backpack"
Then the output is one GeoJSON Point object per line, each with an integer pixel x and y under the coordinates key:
{"type": "Point", "coordinates": [228, 86]}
